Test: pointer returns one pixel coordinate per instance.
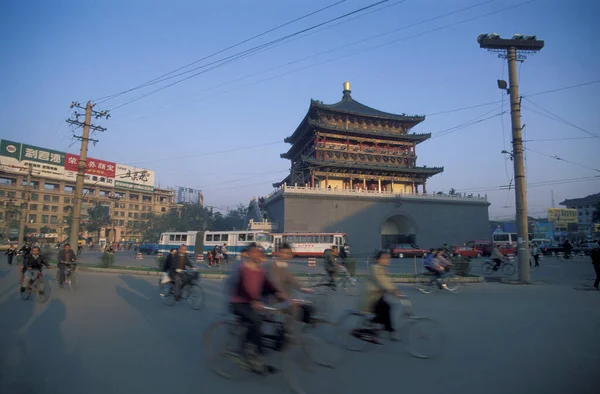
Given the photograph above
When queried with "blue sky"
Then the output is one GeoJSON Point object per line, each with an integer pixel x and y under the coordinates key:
{"type": "Point", "coordinates": [60, 51]}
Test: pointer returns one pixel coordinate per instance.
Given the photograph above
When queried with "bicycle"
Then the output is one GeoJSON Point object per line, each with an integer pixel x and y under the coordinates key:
{"type": "Point", "coordinates": [506, 266]}
{"type": "Point", "coordinates": [447, 281]}
{"type": "Point", "coordinates": [190, 291]}
{"type": "Point", "coordinates": [238, 358]}
{"type": "Point", "coordinates": [321, 282]}
{"type": "Point", "coordinates": [37, 286]}
{"type": "Point", "coordinates": [70, 276]}
{"type": "Point", "coordinates": [421, 337]}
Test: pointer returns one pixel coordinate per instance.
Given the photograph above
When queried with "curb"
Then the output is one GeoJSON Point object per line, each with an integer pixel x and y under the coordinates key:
{"type": "Point", "coordinates": [470, 279]}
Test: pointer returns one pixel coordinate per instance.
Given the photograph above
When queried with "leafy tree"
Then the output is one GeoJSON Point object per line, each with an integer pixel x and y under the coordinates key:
{"type": "Point", "coordinates": [452, 191]}
{"type": "Point", "coordinates": [98, 217]}
{"type": "Point", "coordinates": [596, 214]}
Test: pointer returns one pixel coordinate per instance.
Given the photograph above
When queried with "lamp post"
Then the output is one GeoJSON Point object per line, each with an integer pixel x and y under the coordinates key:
{"type": "Point", "coordinates": [512, 50]}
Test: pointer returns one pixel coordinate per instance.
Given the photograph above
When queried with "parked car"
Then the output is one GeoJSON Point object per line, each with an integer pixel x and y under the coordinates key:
{"type": "Point", "coordinates": [407, 250]}
{"type": "Point", "coordinates": [148, 248]}
{"type": "Point", "coordinates": [484, 246]}
{"type": "Point", "coordinates": [466, 251]}
{"type": "Point", "coordinates": [548, 249]}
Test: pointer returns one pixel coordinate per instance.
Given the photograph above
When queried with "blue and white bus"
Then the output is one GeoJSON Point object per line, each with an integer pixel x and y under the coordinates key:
{"type": "Point", "coordinates": [173, 240]}
{"type": "Point", "coordinates": [237, 240]}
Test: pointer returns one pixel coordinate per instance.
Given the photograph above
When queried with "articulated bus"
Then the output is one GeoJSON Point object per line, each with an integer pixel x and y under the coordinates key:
{"type": "Point", "coordinates": [237, 240]}
{"type": "Point", "coordinates": [192, 239]}
{"type": "Point", "coordinates": [309, 244]}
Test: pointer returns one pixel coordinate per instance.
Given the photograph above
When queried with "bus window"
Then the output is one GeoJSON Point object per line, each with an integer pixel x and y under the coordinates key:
{"type": "Point", "coordinates": [262, 238]}
{"type": "Point", "coordinates": [184, 238]}
{"type": "Point", "coordinates": [178, 237]}
{"type": "Point", "coordinates": [209, 237]}
{"type": "Point", "coordinates": [242, 237]}
{"type": "Point", "coordinates": [330, 239]}
{"type": "Point", "coordinates": [224, 237]}
{"type": "Point", "coordinates": [250, 237]}
{"type": "Point", "coordinates": [172, 237]}
{"type": "Point", "coordinates": [216, 237]}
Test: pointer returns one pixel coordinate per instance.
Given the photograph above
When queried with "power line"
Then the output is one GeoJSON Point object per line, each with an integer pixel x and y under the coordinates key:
{"type": "Point", "coordinates": [221, 51]}
{"type": "Point", "coordinates": [555, 157]}
{"type": "Point", "coordinates": [466, 124]}
{"type": "Point", "coordinates": [533, 184]}
{"type": "Point", "coordinates": [563, 88]}
{"type": "Point", "coordinates": [353, 53]}
{"type": "Point", "coordinates": [239, 55]}
{"type": "Point", "coordinates": [558, 139]}
{"type": "Point", "coordinates": [557, 118]}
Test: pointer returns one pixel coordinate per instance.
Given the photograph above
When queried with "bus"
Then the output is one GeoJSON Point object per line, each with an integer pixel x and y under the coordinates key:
{"type": "Point", "coordinates": [309, 244]}
{"type": "Point", "coordinates": [192, 239]}
{"type": "Point", "coordinates": [237, 240]}
{"type": "Point", "coordinates": [505, 238]}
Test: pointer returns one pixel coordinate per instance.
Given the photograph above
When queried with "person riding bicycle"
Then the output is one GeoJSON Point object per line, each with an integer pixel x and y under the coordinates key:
{"type": "Point", "coordinates": [225, 253]}
{"type": "Point", "coordinates": [250, 286]}
{"type": "Point", "coordinates": [497, 257]}
{"type": "Point", "coordinates": [281, 277]}
{"type": "Point", "coordinates": [331, 265]}
{"type": "Point", "coordinates": [65, 257]}
{"type": "Point", "coordinates": [168, 267]}
{"type": "Point", "coordinates": [25, 250]}
{"type": "Point", "coordinates": [435, 262]}
{"type": "Point", "coordinates": [32, 267]}
{"type": "Point", "coordinates": [10, 253]}
{"type": "Point", "coordinates": [377, 286]}
{"type": "Point", "coordinates": [180, 262]}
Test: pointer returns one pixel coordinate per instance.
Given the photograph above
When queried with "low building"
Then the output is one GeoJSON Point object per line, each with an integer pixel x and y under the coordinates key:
{"type": "Point", "coordinates": [354, 170]}
{"type": "Point", "coordinates": [187, 195]}
{"type": "Point", "coordinates": [586, 211]}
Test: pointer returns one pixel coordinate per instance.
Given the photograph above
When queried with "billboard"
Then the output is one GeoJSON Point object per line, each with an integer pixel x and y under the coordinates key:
{"type": "Point", "coordinates": [97, 172]}
{"type": "Point", "coordinates": [127, 177]}
{"type": "Point", "coordinates": [562, 216]}
{"type": "Point", "coordinates": [47, 163]}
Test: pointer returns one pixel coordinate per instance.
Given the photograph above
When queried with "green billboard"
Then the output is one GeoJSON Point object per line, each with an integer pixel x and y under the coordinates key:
{"type": "Point", "coordinates": [10, 149]}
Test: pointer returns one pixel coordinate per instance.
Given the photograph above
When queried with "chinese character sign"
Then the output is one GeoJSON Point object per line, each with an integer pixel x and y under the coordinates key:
{"type": "Point", "coordinates": [134, 178]}
{"type": "Point", "coordinates": [97, 167]}
{"type": "Point", "coordinates": [42, 155]}
{"type": "Point", "coordinates": [562, 216]}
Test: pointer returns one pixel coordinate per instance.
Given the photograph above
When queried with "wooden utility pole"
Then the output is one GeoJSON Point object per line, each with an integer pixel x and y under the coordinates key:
{"type": "Point", "coordinates": [25, 209]}
{"type": "Point", "coordinates": [82, 165]}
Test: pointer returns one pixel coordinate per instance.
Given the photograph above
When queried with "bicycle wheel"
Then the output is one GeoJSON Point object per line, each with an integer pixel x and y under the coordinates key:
{"type": "Point", "coordinates": [221, 344]}
{"type": "Point", "coordinates": [425, 287]}
{"type": "Point", "coordinates": [325, 350]}
{"type": "Point", "coordinates": [169, 295]}
{"type": "Point", "coordinates": [508, 269]}
{"type": "Point", "coordinates": [161, 287]}
{"type": "Point", "coordinates": [354, 330]}
{"type": "Point", "coordinates": [72, 281]}
{"type": "Point", "coordinates": [322, 305]}
{"type": "Point", "coordinates": [319, 283]}
{"type": "Point", "coordinates": [452, 283]}
{"type": "Point", "coordinates": [42, 291]}
{"type": "Point", "coordinates": [423, 337]}
{"type": "Point", "coordinates": [25, 294]}
{"type": "Point", "coordinates": [351, 286]}
{"type": "Point", "coordinates": [195, 297]}
{"type": "Point", "coordinates": [487, 268]}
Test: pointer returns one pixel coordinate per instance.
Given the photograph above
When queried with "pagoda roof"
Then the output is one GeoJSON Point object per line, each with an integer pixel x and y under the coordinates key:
{"type": "Point", "coordinates": [427, 171]}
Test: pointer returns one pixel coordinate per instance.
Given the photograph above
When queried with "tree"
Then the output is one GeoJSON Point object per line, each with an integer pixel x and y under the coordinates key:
{"type": "Point", "coordinates": [98, 218]}
{"type": "Point", "coordinates": [452, 191]}
{"type": "Point", "coordinates": [596, 214]}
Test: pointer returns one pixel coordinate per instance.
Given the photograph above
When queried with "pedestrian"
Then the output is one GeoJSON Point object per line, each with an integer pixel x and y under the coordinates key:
{"type": "Point", "coordinates": [535, 252]}
{"type": "Point", "coordinates": [596, 262]}
{"type": "Point", "coordinates": [10, 253]}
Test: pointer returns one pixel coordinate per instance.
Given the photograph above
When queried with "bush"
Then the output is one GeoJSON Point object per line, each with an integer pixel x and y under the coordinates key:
{"type": "Point", "coordinates": [107, 260]}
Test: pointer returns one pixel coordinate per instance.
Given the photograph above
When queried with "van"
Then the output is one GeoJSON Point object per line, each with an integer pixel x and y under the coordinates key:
{"type": "Point", "coordinates": [485, 247]}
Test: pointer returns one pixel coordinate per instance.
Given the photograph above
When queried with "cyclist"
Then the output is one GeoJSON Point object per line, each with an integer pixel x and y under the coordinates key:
{"type": "Point", "coordinates": [497, 257]}
{"type": "Point", "coordinates": [167, 269]}
{"type": "Point", "coordinates": [434, 262]}
{"type": "Point", "coordinates": [32, 266]}
{"type": "Point", "coordinates": [378, 285]}
{"type": "Point", "coordinates": [180, 262]}
{"type": "Point", "coordinates": [331, 264]}
{"type": "Point", "coordinates": [249, 286]}
{"type": "Point", "coordinates": [10, 253]}
{"type": "Point", "coordinates": [224, 253]}
{"type": "Point", "coordinates": [65, 257]}
{"type": "Point", "coordinates": [281, 277]}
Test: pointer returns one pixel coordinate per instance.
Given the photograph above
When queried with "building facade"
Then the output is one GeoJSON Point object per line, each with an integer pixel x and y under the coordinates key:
{"type": "Point", "coordinates": [587, 210]}
{"type": "Point", "coordinates": [186, 195]}
{"type": "Point", "coordinates": [354, 170]}
{"type": "Point", "coordinates": [128, 194]}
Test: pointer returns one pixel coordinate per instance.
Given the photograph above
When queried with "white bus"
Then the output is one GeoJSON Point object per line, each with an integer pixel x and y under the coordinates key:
{"type": "Point", "coordinates": [172, 240]}
{"type": "Point", "coordinates": [237, 240]}
{"type": "Point", "coordinates": [309, 244]}
{"type": "Point", "coordinates": [505, 238]}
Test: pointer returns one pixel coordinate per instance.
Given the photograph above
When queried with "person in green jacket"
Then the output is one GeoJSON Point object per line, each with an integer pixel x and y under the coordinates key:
{"type": "Point", "coordinates": [331, 265]}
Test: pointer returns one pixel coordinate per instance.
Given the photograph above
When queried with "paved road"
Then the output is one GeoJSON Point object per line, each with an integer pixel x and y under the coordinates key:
{"type": "Point", "coordinates": [114, 336]}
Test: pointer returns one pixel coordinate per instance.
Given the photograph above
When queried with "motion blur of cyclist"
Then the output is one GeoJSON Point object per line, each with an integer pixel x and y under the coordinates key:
{"type": "Point", "coordinates": [331, 264]}
{"type": "Point", "coordinates": [32, 266]}
{"type": "Point", "coordinates": [281, 277]}
{"type": "Point", "coordinates": [181, 261]}
{"type": "Point", "coordinates": [248, 288]}
{"type": "Point", "coordinates": [436, 263]}
{"type": "Point", "coordinates": [497, 257]}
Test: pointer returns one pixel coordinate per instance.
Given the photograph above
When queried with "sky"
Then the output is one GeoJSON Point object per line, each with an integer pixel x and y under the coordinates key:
{"type": "Point", "coordinates": [222, 131]}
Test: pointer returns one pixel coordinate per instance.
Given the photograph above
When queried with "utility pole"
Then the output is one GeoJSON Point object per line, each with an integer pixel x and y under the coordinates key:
{"type": "Point", "coordinates": [25, 210]}
{"type": "Point", "coordinates": [85, 139]}
{"type": "Point", "coordinates": [511, 50]}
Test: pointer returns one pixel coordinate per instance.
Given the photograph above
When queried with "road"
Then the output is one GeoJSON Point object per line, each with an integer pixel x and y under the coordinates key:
{"type": "Point", "coordinates": [114, 336]}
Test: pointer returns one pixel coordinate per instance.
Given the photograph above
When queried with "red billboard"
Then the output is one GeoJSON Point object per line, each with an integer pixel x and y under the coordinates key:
{"type": "Point", "coordinates": [93, 166]}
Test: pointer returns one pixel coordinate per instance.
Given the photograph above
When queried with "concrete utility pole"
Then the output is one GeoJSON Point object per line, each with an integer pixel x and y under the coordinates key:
{"type": "Point", "coordinates": [85, 139]}
{"type": "Point", "coordinates": [25, 210]}
{"type": "Point", "coordinates": [512, 50]}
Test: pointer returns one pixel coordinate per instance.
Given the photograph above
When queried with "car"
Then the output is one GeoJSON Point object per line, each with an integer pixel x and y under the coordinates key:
{"type": "Point", "coordinates": [148, 248]}
{"type": "Point", "coordinates": [407, 250]}
{"type": "Point", "coordinates": [549, 249]}
{"type": "Point", "coordinates": [484, 246]}
{"type": "Point", "coordinates": [507, 249]}
{"type": "Point", "coordinates": [466, 251]}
